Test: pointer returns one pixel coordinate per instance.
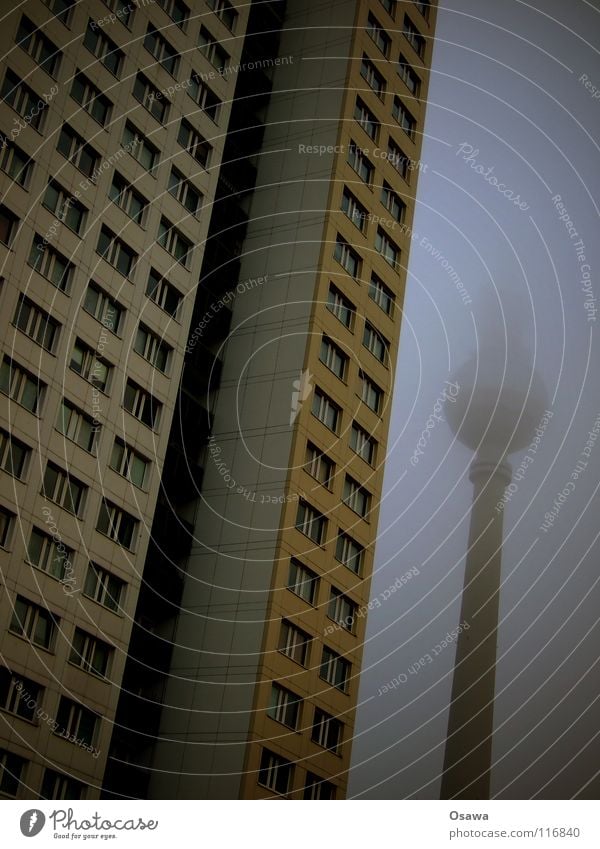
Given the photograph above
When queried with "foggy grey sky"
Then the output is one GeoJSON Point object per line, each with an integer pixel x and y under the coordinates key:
{"type": "Point", "coordinates": [505, 82]}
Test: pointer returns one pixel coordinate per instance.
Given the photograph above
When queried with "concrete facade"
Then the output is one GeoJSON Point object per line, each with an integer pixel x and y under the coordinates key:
{"type": "Point", "coordinates": [288, 496]}
{"type": "Point", "coordinates": [34, 740]}
{"type": "Point", "coordinates": [217, 722]}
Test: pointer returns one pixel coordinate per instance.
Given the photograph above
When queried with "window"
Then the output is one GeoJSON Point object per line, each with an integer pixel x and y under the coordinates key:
{"type": "Point", "coordinates": [354, 210]}
{"type": "Point", "coordinates": [398, 159]}
{"type": "Point", "coordinates": [51, 264]}
{"type": "Point", "coordinates": [163, 293]}
{"type": "Point", "coordinates": [275, 772]}
{"type": "Point", "coordinates": [140, 148]}
{"type": "Point", "coordinates": [204, 96]}
{"type": "Point", "coordinates": [342, 610]}
{"type": "Point", "coordinates": [40, 48]}
{"type": "Point", "coordinates": [311, 523]}
{"type": "Point", "coordinates": [225, 11]}
{"type": "Point", "coordinates": [55, 785]}
{"type": "Point", "coordinates": [371, 394]}
{"type": "Point", "coordinates": [363, 444]}
{"type": "Point", "coordinates": [6, 526]}
{"type": "Point", "coordinates": [403, 117]}
{"type": "Point", "coordinates": [116, 523]}
{"type": "Point", "coordinates": [24, 100]}
{"type": "Point", "coordinates": [35, 623]}
{"type": "Point", "coordinates": [141, 404]}
{"type": "Point", "coordinates": [19, 695]}
{"type": "Point", "coordinates": [332, 357]}
{"type": "Point", "coordinates": [103, 307]}
{"type": "Point", "coordinates": [334, 669]}
{"type": "Point", "coordinates": [8, 225]}
{"type": "Point", "coordinates": [343, 309]}
{"type": "Point", "coordinates": [76, 721]}
{"type": "Point", "coordinates": [366, 119]}
{"type": "Point", "coordinates": [50, 556]}
{"type": "Point", "coordinates": [393, 202]}
{"type": "Point", "coordinates": [130, 463]}
{"type": "Point", "coordinates": [77, 426]}
{"type": "Point", "coordinates": [164, 52]}
{"type": "Point", "coordinates": [15, 162]}
{"type": "Point", "coordinates": [173, 241]}
{"type": "Point", "coordinates": [21, 386]}
{"type": "Point", "coordinates": [388, 249]}
{"type": "Point", "coordinates": [302, 581]}
{"type": "Point", "coordinates": [356, 497]}
{"type": "Point", "coordinates": [327, 731]}
{"type": "Point", "coordinates": [152, 348]}
{"type": "Point", "coordinates": [93, 369]}
{"type": "Point", "coordinates": [294, 643]}
{"type": "Point", "coordinates": [389, 6]}
{"type": "Point", "coordinates": [74, 148]}
{"type": "Point", "coordinates": [103, 587]}
{"type": "Point", "coordinates": [91, 99]}
{"type": "Point", "coordinates": [129, 199]}
{"type": "Point", "coordinates": [63, 489]}
{"type": "Point", "coordinates": [414, 37]}
{"type": "Point", "coordinates": [212, 50]}
{"type": "Point", "coordinates": [65, 207]}
{"type": "Point", "coordinates": [375, 343]}
{"type": "Point", "coordinates": [359, 162]}
{"type": "Point", "coordinates": [176, 10]}
{"type": "Point", "coordinates": [347, 257]}
{"type": "Point", "coordinates": [318, 788]}
{"type": "Point", "coordinates": [150, 97]}
{"type": "Point", "coordinates": [36, 323]}
{"type": "Point", "coordinates": [62, 9]}
{"type": "Point", "coordinates": [372, 77]}
{"type": "Point", "coordinates": [382, 295]}
{"type": "Point", "coordinates": [319, 466]}
{"type": "Point", "coordinates": [14, 455]}
{"type": "Point", "coordinates": [195, 144]}
{"type": "Point", "coordinates": [122, 8]}
{"type": "Point", "coordinates": [183, 191]}
{"type": "Point", "coordinates": [90, 653]}
{"type": "Point", "coordinates": [103, 48]}
{"type": "Point", "coordinates": [284, 706]}
{"type": "Point", "coordinates": [116, 252]}
{"type": "Point", "coordinates": [379, 35]}
{"type": "Point", "coordinates": [12, 768]}
{"type": "Point", "coordinates": [423, 9]}
{"type": "Point", "coordinates": [408, 76]}
{"type": "Point", "coordinates": [326, 410]}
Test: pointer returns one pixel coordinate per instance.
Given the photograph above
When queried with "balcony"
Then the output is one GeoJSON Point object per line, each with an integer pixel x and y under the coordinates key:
{"type": "Point", "coordinates": [162, 585]}
{"type": "Point", "coordinates": [201, 374]}
{"type": "Point", "coordinates": [182, 475]}
{"type": "Point", "coordinates": [253, 88]}
{"type": "Point", "coordinates": [220, 279]}
{"type": "Point", "coordinates": [267, 16]}
{"type": "Point", "coordinates": [125, 777]}
{"type": "Point", "coordinates": [238, 174]}
{"type": "Point", "coordinates": [172, 534]}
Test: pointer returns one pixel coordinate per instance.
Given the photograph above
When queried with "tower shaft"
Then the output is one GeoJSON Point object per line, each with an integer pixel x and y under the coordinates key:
{"type": "Point", "coordinates": [468, 755]}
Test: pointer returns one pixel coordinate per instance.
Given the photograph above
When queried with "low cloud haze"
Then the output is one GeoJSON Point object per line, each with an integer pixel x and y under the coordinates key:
{"type": "Point", "coordinates": [503, 267]}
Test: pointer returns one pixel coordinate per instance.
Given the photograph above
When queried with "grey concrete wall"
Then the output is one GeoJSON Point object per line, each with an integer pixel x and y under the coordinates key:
{"type": "Point", "coordinates": [219, 635]}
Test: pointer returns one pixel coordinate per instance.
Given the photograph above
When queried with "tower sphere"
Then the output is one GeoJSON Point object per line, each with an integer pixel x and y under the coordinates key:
{"type": "Point", "coordinates": [500, 401]}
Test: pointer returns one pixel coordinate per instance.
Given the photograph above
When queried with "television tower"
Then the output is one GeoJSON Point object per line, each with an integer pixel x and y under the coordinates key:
{"type": "Point", "coordinates": [499, 404]}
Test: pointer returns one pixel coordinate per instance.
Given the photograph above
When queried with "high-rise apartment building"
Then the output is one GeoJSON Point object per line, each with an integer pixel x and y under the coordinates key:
{"type": "Point", "coordinates": [205, 219]}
